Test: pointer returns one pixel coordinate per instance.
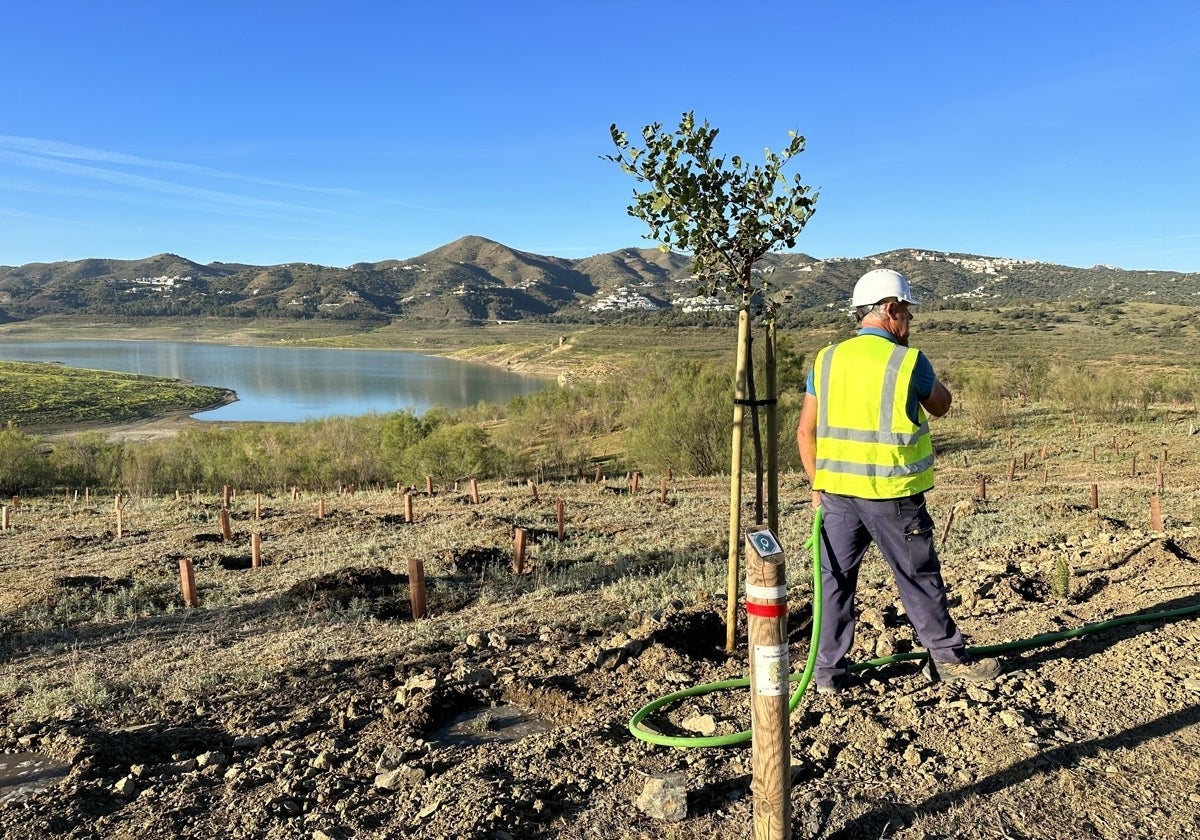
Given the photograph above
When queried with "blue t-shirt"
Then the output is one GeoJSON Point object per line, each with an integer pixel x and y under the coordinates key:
{"type": "Point", "coordinates": [923, 378]}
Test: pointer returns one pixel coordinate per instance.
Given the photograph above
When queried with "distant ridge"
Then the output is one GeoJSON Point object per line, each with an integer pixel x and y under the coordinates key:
{"type": "Point", "coordinates": [477, 279]}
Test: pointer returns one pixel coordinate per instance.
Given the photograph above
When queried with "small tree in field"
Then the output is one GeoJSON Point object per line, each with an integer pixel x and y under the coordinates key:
{"type": "Point", "coordinates": [727, 215]}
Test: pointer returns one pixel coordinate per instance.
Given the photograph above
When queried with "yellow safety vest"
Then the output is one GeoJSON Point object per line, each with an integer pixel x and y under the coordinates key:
{"type": "Point", "coordinates": [867, 445]}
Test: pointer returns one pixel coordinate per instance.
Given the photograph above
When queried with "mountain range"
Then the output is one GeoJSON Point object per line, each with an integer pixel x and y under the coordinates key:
{"type": "Point", "coordinates": [476, 279]}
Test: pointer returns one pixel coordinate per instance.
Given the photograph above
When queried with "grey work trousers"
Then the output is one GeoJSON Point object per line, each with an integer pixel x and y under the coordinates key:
{"type": "Point", "coordinates": [903, 530]}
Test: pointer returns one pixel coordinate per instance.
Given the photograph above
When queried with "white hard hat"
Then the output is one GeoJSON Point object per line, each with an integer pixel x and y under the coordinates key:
{"type": "Point", "coordinates": [881, 284]}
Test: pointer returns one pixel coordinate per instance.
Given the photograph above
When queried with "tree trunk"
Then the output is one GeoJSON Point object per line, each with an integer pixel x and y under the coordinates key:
{"type": "Point", "coordinates": [772, 396]}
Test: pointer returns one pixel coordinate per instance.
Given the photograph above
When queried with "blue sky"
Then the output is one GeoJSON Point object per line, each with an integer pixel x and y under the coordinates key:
{"type": "Point", "coordinates": [271, 132]}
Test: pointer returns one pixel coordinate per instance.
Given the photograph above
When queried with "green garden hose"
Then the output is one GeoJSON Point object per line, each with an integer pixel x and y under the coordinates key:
{"type": "Point", "coordinates": [636, 725]}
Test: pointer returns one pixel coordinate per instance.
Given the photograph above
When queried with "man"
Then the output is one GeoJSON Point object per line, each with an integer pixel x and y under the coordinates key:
{"type": "Point", "coordinates": [864, 442]}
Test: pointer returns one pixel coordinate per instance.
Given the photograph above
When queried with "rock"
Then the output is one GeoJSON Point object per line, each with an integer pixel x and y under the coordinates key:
{"type": "Point", "coordinates": [978, 694]}
{"type": "Point", "coordinates": [475, 641]}
{"type": "Point", "coordinates": [127, 786]}
{"type": "Point", "coordinates": [912, 756]}
{"type": "Point", "coordinates": [885, 645]}
{"type": "Point", "coordinates": [1192, 685]}
{"type": "Point", "coordinates": [701, 724]}
{"type": "Point", "coordinates": [1011, 718]}
{"type": "Point", "coordinates": [664, 797]}
{"type": "Point", "coordinates": [401, 777]}
{"type": "Point", "coordinates": [211, 759]}
{"type": "Point", "coordinates": [248, 742]}
{"type": "Point", "coordinates": [498, 641]}
{"type": "Point", "coordinates": [872, 617]}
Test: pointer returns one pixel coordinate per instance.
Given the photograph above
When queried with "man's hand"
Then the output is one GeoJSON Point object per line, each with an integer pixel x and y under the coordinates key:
{"type": "Point", "coordinates": [816, 499]}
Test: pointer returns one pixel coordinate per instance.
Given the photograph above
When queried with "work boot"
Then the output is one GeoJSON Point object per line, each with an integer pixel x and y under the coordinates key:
{"type": "Point", "coordinates": [836, 685]}
{"type": "Point", "coordinates": [973, 670]}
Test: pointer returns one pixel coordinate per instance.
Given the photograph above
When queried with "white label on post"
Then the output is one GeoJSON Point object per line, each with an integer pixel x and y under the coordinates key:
{"type": "Point", "coordinates": [770, 670]}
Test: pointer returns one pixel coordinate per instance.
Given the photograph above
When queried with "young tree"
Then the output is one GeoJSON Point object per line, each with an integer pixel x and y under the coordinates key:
{"type": "Point", "coordinates": [726, 214]}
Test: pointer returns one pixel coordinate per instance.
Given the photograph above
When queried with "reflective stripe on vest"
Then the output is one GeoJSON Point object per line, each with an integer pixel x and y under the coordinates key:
{"type": "Point", "coordinates": [867, 445]}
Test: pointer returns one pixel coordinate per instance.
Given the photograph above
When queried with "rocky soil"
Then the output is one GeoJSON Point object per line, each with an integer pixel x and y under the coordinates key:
{"type": "Point", "coordinates": [300, 700]}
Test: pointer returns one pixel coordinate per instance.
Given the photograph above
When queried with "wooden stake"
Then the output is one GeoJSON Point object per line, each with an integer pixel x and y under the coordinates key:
{"type": "Point", "coordinates": [258, 505]}
{"type": "Point", "coordinates": [1156, 523]}
{"type": "Point", "coordinates": [633, 483]}
{"type": "Point", "coordinates": [562, 525]}
{"type": "Point", "coordinates": [1158, 481]}
{"type": "Point", "coordinates": [1012, 470]}
{"type": "Point", "coordinates": [662, 491]}
{"type": "Point", "coordinates": [1133, 468]}
{"type": "Point", "coordinates": [226, 531]}
{"type": "Point", "coordinates": [4, 519]}
{"type": "Point", "coordinates": [416, 587]}
{"type": "Point", "coordinates": [295, 493]}
{"type": "Point", "coordinates": [408, 508]}
{"type": "Point", "coordinates": [670, 474]}
{"type": "Point", "coordinates": [982, 492]}
{"type": "Point", "coordinates": [1093, 453]}
{"type": "Point", "coordinates": [16, 502]}
{"type": "Point", "coordinates": [429, 485]}
{"type": "Point", "coordinates": [321, 508]}
{"type": "Point", "coordinates": [766, 620]}
{"type": "Point", "coordinates": [946, 530]}
{"type": "Point", "coordinates": [225, 496]}
{"type": "Point", "coordinates": [187, 581]}
{"type": "Point", "coordinates": [1094, 504]}
{"type": "Point", "coordinates": [120, 523]}
{"type": "Point", "coordinates": [737, 437]}
{"type": "Point", "coordinates": [256, 550]}
{"type": "Point", "coordinates": [474, 492]}
{"type": "Point", "coordinates": [599, 477]}
{"type": "Point", "coordinates": [1045, 448]}
{"type": "Point", "coordinates": [519, 551]}
{"type": "Point", "coordinates": [533, 488]}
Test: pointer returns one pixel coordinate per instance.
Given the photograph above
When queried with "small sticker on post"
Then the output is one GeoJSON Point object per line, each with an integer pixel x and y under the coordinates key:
{"type": "Point", "coordinates": [771, 669]}
{"type": "Point", "coordinates": [764, 543]}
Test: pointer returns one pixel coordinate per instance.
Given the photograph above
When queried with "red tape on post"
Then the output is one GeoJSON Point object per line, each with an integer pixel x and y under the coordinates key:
{"type": "Point", "coordinates": [766, 610]}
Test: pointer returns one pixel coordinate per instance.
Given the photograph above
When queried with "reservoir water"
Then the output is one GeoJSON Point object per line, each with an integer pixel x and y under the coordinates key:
{"type": "Point", "coordinates": [286, 384]}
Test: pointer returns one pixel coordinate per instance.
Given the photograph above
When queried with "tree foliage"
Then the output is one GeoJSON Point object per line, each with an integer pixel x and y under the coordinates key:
{"type": "Point", "coordinates": [723, 211]}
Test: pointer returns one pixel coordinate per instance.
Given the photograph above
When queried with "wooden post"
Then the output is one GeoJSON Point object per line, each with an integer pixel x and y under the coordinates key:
{"type": "Point", "coordinates": [982, 492]}
{"type": "Point", "coordinates": [766, 620]}
{"type": "Point", "coordinates": [670, 474]}
{"type": "Point", "coordinates": [16, 502]}
{"type": "Point", "coordinates": [519, 551]}
{"type": "Point", "coordinates": [1012, 470]}
{"type": "Point", "coordinates": [187, 580]}
{"type": "Point", "coordinates": [258, 505]}
{"type": "Point", "coordinates": [533, 489]}
{"type": "Point", "coordinates": [598, 476]}
{"type": "Point", "coordinates": [1133, 468]}
{"type": "Point", "coordinates": [1045, 447]}
{"type": "Point", "coordinates": [633, 482]}
{"type": "Point", "coordinates": [4, 520]}
{"type": "Point", "coordinates": [662, 491]}
{"type": "Point", "coordinates": [416, 587]}
{"type": "Point", "coordinates": [1093, 453]}
{"type": "Point", "coordinates": [120, 523]}
{"type": "Point", "coordinates": [474, 492]}
{"type": "Point", "coordinates": [225, 495]}
{"type": "Point", "coordinates": [1045, 477]}
{"type": "Point", "coordinates": [1094, 504]}
{"type": "Point", "coordinates": [226, 531]}
{"type": "Point", "coordinates": [117, 502]}
{"type": "Point", "coordinates": [408, 508]}
{"type": "Point", "coordinates": [295, 493]}
{"type": "Point", "coordinates": [735, 478]}
{"type": "Point", "coordinates": [321, 508]}
{"type": "Point", "coordinates": [562, 524]}
{"type": "Point", "coordinates": [946, 530]}
{"type": "Point", "coordinates": [1024, 460]}
{"type": "Point", "coordinates": [256, 550]}
{"type": "Point", "coordinates": [1156, 523]}
{"type": "Point", "coordinates": [429, 485]}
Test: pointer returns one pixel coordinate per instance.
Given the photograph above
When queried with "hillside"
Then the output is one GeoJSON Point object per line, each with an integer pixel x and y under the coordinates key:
{"type": "Point", "coordinates": [475, 279]}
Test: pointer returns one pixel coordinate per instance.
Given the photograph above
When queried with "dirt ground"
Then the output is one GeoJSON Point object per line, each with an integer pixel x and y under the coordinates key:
{"type": "Point", "coordinates": [300, 699]}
